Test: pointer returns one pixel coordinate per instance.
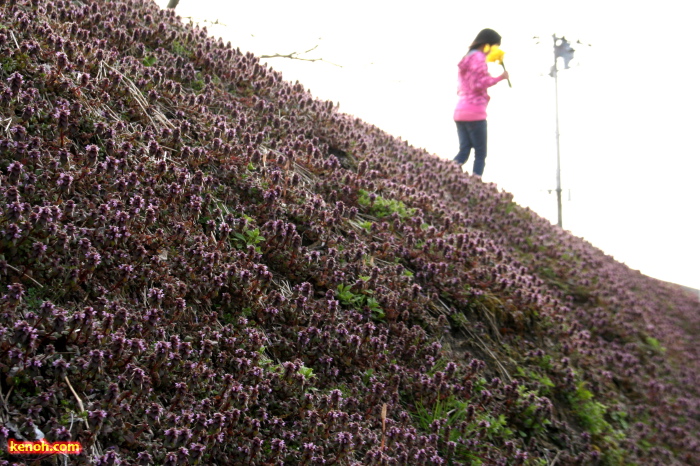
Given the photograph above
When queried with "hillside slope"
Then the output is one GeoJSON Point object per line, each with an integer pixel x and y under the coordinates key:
{"type": "Point", "coordinates": [203, 264]}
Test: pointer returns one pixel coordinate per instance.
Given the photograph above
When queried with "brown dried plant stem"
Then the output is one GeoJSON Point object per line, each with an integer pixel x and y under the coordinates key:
{"type": "Point", "coordinates": [77, 398]}
{"type": "Point", "coordinates": [383, 425]}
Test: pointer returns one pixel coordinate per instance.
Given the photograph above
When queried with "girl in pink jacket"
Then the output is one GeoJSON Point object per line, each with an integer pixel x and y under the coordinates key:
{"type": "Point", "coordinates": [470, 114]}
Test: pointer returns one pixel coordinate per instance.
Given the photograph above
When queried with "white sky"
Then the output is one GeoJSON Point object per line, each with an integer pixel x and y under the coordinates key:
{"type": "Point", "coordinates": [628, 106]}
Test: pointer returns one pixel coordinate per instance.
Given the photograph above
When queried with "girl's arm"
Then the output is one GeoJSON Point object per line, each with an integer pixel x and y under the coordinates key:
{"type": "Point", "coordinates": [481, 79]}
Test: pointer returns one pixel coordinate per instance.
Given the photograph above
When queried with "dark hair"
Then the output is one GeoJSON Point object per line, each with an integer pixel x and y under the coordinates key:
{"type": "Point", "coordinates": [486, 36]}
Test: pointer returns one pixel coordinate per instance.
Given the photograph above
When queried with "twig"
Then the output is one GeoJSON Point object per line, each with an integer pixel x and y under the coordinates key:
{"type": "Point", "coordinates": [284, 287]}
{"type": "Point", "coordinates": [295, 56]}
{"type": "Point", "coordinates": [15, 39]}
{"type": "Point", "coordinates": [305, 174]}
{"type": "Point", "coordinates": [25, 275]}
{"type": "Point", "coordinates": [556, 458]}
{"type": "Point", "coordinates": [140, 99]}
{"type": "Point", "coordinates": [7, 128]}
{"type": "Point", "coordinates": [80, 402]}
{"type": "Point", "coordinates": [485, 347]}
{"type": "Point", "coordinates": [216, 22]}
{"type": "Point", "coordinates": [5, 399]}
{"type": "Point", "coordinates": [96, 450]}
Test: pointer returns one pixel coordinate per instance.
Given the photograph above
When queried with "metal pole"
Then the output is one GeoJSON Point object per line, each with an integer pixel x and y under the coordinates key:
{"type": "Point", "coordinates": [556, 102]}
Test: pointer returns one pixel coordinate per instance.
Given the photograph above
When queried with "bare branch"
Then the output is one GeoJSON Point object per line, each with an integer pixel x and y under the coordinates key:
{"type": "Point", "coordinates": [16, 270]}
{"type": "Point", "coordinates": [291, 56]}
{"type": "Point", "coordinates": [197, 21]}
{"type": "Point", "coordinates": [296, 56]}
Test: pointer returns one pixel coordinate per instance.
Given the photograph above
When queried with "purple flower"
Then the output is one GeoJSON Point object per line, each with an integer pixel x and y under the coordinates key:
{"type": "Point", "coordinates": [61, 60]}
{"type": "Point", "coordinates": [15, 80]}
{"type": "Point", "coordinates": [38, 249]}
{"type": "Point", "coordinates": [61, 115]}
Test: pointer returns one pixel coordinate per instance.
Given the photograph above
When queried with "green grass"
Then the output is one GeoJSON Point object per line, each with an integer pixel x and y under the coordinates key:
{"type": "Point", "coordinates": [382, 207]}
{"type": "Point", "coordinates": [356, 300]}
{"type": "Point", "coordinates": [149, 60]}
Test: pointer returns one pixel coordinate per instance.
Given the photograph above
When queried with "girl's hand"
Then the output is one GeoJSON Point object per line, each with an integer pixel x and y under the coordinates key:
{"type": "Point", "coordinates": [505, 75]}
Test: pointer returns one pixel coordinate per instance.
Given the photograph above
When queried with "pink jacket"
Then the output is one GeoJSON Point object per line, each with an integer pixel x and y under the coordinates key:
{"type": "Point", "coordinates": [474, 80]}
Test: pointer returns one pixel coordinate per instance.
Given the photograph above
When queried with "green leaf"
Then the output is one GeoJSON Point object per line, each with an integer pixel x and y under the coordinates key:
{"type": "Point", "coordinates": [149, 61]}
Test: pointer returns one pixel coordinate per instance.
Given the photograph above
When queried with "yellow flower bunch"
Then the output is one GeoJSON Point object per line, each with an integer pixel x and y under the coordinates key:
{"type": "Point", "coordinates": [495, 54]}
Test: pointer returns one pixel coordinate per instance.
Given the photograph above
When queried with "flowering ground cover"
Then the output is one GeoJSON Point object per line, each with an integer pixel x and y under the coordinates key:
{"type": "Point", "coordinates": [201, 263]}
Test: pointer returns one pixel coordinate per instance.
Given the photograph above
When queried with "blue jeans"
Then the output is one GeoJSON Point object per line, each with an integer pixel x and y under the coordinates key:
{"type": "Point", "coordinates": [472, 134]}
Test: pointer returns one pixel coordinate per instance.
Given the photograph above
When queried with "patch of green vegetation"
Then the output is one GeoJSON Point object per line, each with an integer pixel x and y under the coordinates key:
{"type": "Point", "coordinates": [543, 383]}
{"type": "Point", "coordinates": [497, 427]}
{"type": "Point", "coordinates": [460, 320]}
{"type": "Point", "coordinates": [619, 418]}
{"type": "Point", "coordinates": [180, 49]}
{"type": "Point", "coordinates": [590, 413]}
{"type": "Point", "coordinates": [592, 416]}
{"type": "Point", "coordinates": [307, 372]}
{"type": "Point", "coordinates": [227, 316]}
{"type": "Point", "coordinates": [346, 296]}
{"type": "Point", "coordinates": [197, 85]}
{"type": "Point", "coordinates": [438, 365]}
{"type": "Point", "coordinates": [17, 62]}
{"type": "Point", "coordinates": [547, 272]}
{"type": "Point", "coordinates": [360, 300]}
{"type": "Point", "coordinates": [268, 364]}
{"type": "Point", "coordinates": [34, 296]}
{"type": "Point", "coordinates": [545, 362]}
{"type": "Point", "coordinates": [534, 420]}
{"type": "Point", "coordinates": [451, 409]}
{"type": "Point", "coordinates": [149, 60]}
{"type": "Point", "coordinates": [451, 413]}
{"type": "Point", "coordinates": [381, 207]}
{"type": "Point", "coordinates": [655, 345]}
{"type": "Point", "coordinates": [612, 453]}
{"type": "Point", "coordinates": [67, 419]}
{"type": "Point", "coordinates": [248, 237]}
{"type": "Point", "coordinates": [479, 385]}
